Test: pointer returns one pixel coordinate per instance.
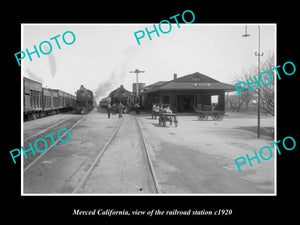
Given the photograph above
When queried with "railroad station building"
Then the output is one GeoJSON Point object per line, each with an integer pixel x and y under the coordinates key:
{"type": "Point", "coordinates": [186, 92]}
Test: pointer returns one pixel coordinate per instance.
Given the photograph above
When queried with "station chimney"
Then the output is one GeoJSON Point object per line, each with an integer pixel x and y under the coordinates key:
{"type": "Point", "coordinates": [175, 76]}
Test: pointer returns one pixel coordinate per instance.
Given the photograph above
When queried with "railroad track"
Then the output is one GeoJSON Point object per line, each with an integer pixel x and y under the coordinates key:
{"type": "Point", "coordinates": [149, 161]}
{"type": "Point", "coordinates": [68, 123]}
{"type": "Point", "coordinates": [95, 166]}
{"type": "Point", "coordinates": [45, 130]}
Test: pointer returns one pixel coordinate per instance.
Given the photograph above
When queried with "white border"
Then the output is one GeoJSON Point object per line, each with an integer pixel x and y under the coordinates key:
{"type": "Point", "coordinates": [166, 194]}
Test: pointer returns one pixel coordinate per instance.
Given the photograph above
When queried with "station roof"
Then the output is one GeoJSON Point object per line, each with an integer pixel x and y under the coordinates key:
{"type": "Point", "coordinates": [194, 81]}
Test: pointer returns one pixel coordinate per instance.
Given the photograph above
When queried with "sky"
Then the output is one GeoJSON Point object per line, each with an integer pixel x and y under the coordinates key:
{"type": "Point", "coordinates": [103, 55]}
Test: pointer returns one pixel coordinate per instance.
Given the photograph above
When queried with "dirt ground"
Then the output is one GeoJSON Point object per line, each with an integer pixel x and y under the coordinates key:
{"type": "Point", "coordinates": [62, 167]}
{"type": "Point", "coordinates": [198, 156]}
{"type": "Point", "coordinates": [123, 167]}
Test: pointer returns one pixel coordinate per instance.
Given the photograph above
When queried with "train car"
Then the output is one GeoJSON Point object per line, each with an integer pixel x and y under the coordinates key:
{"type": "Point", "coordinates": [69, 101]}
{"type": "Point", "coordinates": [47, 101]}
{"type": "Point", "coordinates": [72, 101]}
{"type": "Point", "coordinates": [84, 100]}
{"type": "Point", "coordinates": [33, 107]}
{"type": "Point", "coordinates": [61, 102]}
{"type": "Point", "coordinates": [55, 102]}
{"type": "Point", "coordinates": [40, 101]}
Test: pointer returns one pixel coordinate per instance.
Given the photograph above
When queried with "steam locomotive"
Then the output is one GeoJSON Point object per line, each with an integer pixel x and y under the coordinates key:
{"type": "Point", "coordinates": [116, 96]}
{"type": "Point", "coordinates": [84, 100]}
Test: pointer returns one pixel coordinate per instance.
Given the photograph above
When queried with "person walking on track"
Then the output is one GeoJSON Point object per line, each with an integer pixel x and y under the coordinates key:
{"type": "Point", "coordinates": [120, 109]}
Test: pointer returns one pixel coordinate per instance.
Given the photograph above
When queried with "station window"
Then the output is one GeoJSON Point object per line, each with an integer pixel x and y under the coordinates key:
{"type": "Point", "coordinates": [215, 99]}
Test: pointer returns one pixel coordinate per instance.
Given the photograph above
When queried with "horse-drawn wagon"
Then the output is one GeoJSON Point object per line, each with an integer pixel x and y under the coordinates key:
{"type": "Point", "coordinates": [208, 112]}
{"type": "Point", "coordinates": [164, 114]}
{"type": "Point", "coordinates": [167, 117]}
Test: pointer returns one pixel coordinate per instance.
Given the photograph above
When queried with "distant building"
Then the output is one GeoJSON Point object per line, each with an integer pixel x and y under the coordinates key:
{"type": "Point", "coordinates": [185, 92]}
{"type": "Point", "coordinates": [140, 86]}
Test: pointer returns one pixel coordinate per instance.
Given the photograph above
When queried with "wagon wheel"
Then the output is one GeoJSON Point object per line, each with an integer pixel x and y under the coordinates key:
{"type": "Point", "coordinates": [176, 123]}
{"type": "Point", "coordinates": [201, 116]}
{"type": "Point", "coordinates": [29, 117]}
{"type": "Point", "coordinates": [33, 116]}
{"type": "Point", "coordinates": [215, 116]}
{"type": "Point", "coordinates": [220, 116]}
{"type": "Point", "coordinates": [160, 120]}
{"type": "Point", "coordinates": [164, 122]}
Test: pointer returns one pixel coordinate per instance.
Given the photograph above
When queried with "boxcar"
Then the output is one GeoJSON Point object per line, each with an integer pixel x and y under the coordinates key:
{"type": "Point", "coordinates": [32, 99]}
{"type": "Point", "coordinates": [67, 101]}
{"type": "Point", "coordinates": [72, 101]}
{"type": "Point", "coordinates": [39, 101]}
{"type": "Point", "coordinates": [61, 103]}
{"type": "Point", "coordinates": [54, 95]}
{"type": "Point", "coordinates": [47, 100]}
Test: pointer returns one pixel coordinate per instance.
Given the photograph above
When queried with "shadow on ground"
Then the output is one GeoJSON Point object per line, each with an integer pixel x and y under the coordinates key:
{"type": "Point", "coordinates": [267, 131]}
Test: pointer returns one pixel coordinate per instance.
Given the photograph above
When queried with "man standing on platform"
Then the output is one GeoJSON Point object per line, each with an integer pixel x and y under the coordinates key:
{"type": "Point", "coordinates": [108, 107]}
{"type": "Point", "coordinates": [120, 109]}
{"type": "Point", "coordinates": [137, 108]}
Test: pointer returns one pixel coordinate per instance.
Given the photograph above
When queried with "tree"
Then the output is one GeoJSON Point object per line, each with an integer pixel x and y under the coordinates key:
{"type": "Point", "coordinates": [266, 91]}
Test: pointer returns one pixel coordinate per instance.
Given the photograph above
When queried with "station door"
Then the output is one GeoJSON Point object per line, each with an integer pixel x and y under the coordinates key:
{"type": "Point", "coordinates": [185, 103]}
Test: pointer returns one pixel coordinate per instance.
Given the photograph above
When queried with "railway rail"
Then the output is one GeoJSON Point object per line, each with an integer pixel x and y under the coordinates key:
{"type": "Point", "coordinates": [44, 130]}
{"type": "Point", "coordinates": [68, 123]}
{"type": "Point", "coordinates": [149, 161]}
{"type": "Point", "coordinates": [95, 165]}
{"type": "Point", "coordinates": [125, 152]}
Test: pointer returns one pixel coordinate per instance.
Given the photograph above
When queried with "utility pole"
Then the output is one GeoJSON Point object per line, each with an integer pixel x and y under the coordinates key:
{"type": "Point", "coordinates": [258, 98]}
{"type": "Point", "coordinates": [259, 54]}
{"type": "Point", "coordinates": [137, 80]}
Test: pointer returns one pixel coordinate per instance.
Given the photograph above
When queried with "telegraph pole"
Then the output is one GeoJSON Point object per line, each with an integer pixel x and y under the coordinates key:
{"type": "Point", "coordinates": [137, 80]}
{"type": "Point", "coordinates": [259, 54]}
{"type": "Point", "coordinates": [258, 93]}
